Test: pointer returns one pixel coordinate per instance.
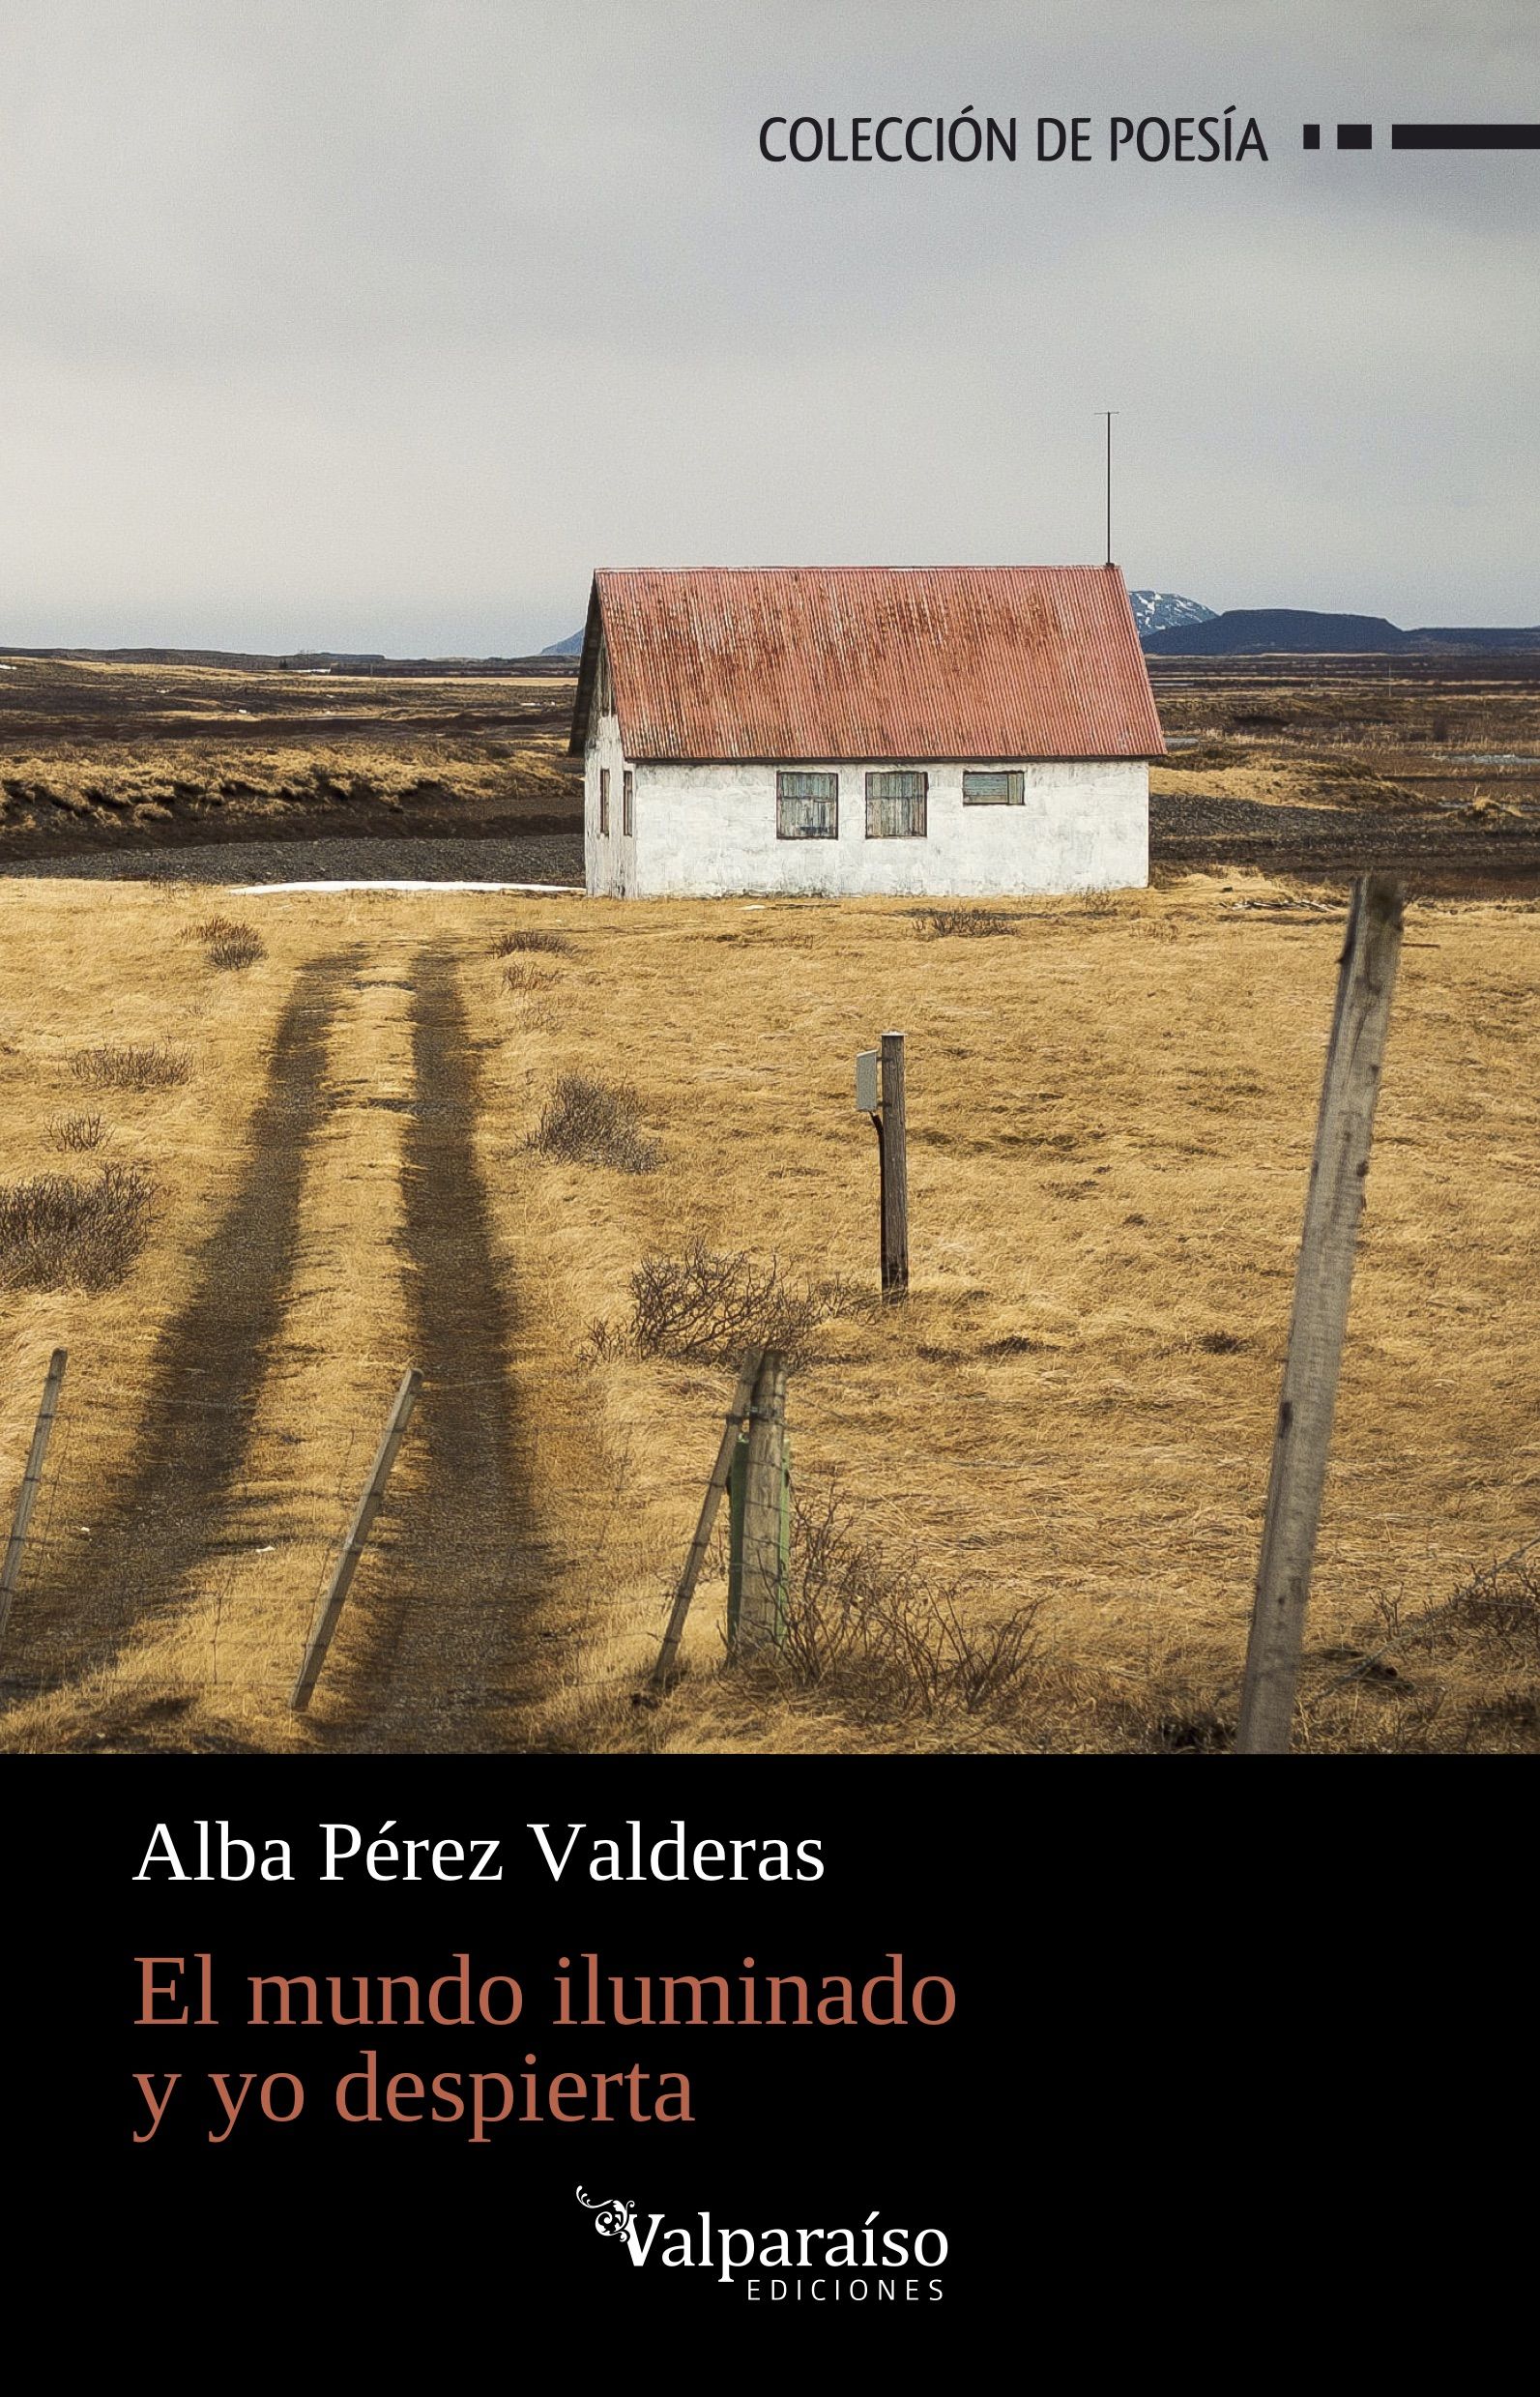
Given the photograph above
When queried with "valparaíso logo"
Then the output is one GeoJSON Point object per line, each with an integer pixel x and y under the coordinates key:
{"type": "Point", "coordinates": [870, 2263]}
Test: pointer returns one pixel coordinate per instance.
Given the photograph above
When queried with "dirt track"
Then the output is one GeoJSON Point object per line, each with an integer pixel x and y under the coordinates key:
{"type": "Point", "coordinates": [433, 1652]}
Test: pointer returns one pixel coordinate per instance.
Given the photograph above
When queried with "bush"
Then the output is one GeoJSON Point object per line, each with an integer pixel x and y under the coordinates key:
{"type": "Point", "coordinates": [234, 952]}
{"type": "Point", "coordinates": [709, 1304]}
{"type": "Point", "coordinates": [232, 945]}
{"type": "Point", "coordinates": [879, 1635]}
{"type": "Point", "coordinates": [1493, 1613]}
{"type": "Point", "coordinates": [56, 1232]}
{"type": "Point", "coordinates": [523, 978]}
{"type": "Point", "coordinates": [542, 944]}
{"type": "Point", "coordinates": [131, 1065]}
{"type": "Point", "coordinates": [78, 1131]}
{"type": "Point", "coordinates": [935, 923]}
{"type": "Point", "coordinates": [592, 1122]}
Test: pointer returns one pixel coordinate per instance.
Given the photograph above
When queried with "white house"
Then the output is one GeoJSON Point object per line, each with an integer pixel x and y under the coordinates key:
{"type": "Point", "coordinates": [944, 731]}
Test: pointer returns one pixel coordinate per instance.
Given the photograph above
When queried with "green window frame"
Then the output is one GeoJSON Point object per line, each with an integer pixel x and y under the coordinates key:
{"type": "Point", "coordinates": [994, 786]}
{"type": "Point", "coordinates": [896, 802]}
{"type": "Point", "coordinates": [806, 806]}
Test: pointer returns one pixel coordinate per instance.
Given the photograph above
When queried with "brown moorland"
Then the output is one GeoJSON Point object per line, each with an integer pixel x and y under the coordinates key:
{"type": "Point", "coordinates": [97, 753]}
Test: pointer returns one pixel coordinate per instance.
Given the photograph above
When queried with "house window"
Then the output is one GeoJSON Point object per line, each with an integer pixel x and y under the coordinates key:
{"type": "Point", "coordinates": [627, 798]}
{"type": "Point", "coordinates": [806, 806]}
{"type": "Point", "coordinates": [604, 799]}
{"type": "Point", "coordinates": [895, 805]}
{"type": "Point", "coordinates": [994, 788]}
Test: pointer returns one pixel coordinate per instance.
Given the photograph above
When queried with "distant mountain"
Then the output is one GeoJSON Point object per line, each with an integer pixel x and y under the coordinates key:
{"type": "Point", "coordinates": [1162, 611]}
{"type": "Point", "coordinates": [571, 647]}
{"type": "Point", "coordinates": [1241, 632]}
{"type": "Point", "coordinates": [1248, 632]}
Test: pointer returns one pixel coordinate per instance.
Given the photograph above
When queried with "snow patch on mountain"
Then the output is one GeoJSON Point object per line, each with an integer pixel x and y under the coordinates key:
{"type": "Point", "coordinates": [1164, 611]}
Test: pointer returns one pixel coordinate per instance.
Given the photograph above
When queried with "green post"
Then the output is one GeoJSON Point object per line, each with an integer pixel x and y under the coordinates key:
{"type": "Point", "coordinates": [759, 1490]}
{"type": "Point", "coordinates": [784, 1578]}
{"type": "Point", "coordinates": [736, 1477]}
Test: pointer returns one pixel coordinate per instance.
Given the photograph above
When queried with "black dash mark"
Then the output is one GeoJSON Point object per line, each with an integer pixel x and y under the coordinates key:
{"type": "Point", "coordinates": [1465, 136]}
{"type": "Point", "coordinates": [1312, 136]}
{"type": "Point", "coordinates": [1355, 136]}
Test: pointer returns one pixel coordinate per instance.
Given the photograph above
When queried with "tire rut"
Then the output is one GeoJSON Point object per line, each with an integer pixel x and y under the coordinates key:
{"type": "Point", "coordinates": [451, 1622]}
{"type": "Point", "coordinates": [181, 1501]}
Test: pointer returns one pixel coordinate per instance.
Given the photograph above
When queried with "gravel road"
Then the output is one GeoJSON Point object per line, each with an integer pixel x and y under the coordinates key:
{"type": "Point", "coordinates": [1435, 851]}
{"type": "Point", "coordinates": [509, 856]}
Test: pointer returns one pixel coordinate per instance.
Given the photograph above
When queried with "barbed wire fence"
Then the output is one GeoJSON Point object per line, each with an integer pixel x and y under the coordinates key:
{"type": "Point", "coordinates": [140, 1596]}
{"type": "Point", "coordinates": [130, 1553]}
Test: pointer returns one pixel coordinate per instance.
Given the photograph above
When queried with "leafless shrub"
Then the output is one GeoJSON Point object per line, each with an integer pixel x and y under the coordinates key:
{"type": "Point", "coordinates": [881, 1637]}
{"type": "Point", "coordinates": [935, 923]}
{"type": "Point", "coordinates": [522, 978]}
{"type": "Point", "coordinates": [58, 1233]}
{"type": "Point", "coordinates": [232, 944]}
{"type": "Point", "coordinates": [78, 1132]}
{"type": "Point", "coordinates": [542, 944]}
{"type": "Point", "coordinates": [1494, 1613]}
{"type": "Point", "coordinates": [709, 1304]}
{"type": "Point", "coordinates": [131, 1065]}
{"type": "Point", "coordinates": [592, 1122]}
{"type": "Point", "coordinates": [1455, 1677]}
{"type": "Point", "coordinates": [233, 952]}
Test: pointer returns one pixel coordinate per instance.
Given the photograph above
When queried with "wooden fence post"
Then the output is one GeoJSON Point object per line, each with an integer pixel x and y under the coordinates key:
{"type": "Point", "coordinates": [368, 1507]}
{"type": "Point", "coordinates": [764, 1571]}
{"type": "Point", "coordinates": [31, 1482]}
{"type": "Point", "coordinates": [743, 1399]}
{"type": "Point", "coordinates": [895, 1170]}
{"type": "Point", "coordinates": [737, 1483]}
{"type": "Point", "coordinates": [1323, 1284]}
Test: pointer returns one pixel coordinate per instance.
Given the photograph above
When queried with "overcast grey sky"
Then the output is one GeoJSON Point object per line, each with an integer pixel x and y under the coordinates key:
{"type": "Point", "coordinates": [376, 324]}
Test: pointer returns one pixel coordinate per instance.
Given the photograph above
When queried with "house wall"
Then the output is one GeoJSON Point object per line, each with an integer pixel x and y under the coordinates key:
{"type": "Point", "coordinates": [702, 831]}
{"type": "Point", "coordinates": [609, 860]}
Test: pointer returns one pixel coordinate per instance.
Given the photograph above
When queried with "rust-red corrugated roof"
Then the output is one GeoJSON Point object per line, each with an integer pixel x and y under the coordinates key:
{"type": "Point", "coordinates": [809, 663]}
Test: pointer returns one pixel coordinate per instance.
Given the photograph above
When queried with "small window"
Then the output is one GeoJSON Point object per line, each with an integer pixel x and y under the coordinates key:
{"type": "Point", "coordinates": [604, 799]}
{"type": "Point", "coordinates": [995, 788]}
{"type": "Point", "coordinates": [627, 803]}
{"type": "Point", "coordinates": [895, 805]}
{"type": "Point", "coordinates": [806, 806]}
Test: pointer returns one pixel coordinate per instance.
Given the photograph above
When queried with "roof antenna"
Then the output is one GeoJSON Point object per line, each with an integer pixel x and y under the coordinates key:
{"type": "Point", "coordinates": [1109, 413]}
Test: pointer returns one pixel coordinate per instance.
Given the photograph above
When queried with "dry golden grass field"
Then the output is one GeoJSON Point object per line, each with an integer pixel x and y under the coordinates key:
{"type": "Point", "coordinates": [1047, 1469]}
